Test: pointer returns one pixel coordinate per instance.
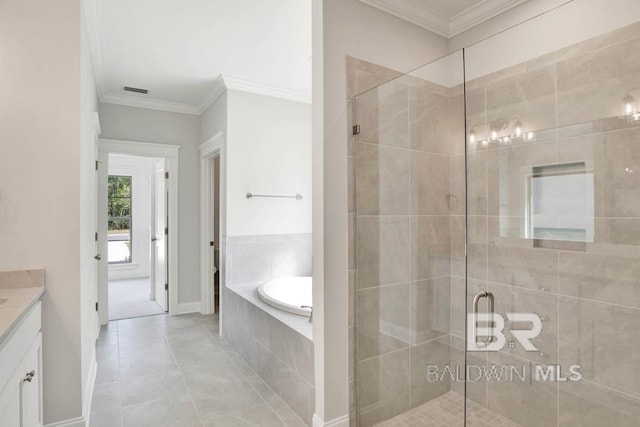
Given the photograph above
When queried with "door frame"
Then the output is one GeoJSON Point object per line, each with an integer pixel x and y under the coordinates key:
{"type": "Point", "coordinates": [171, 153]}
{"type": "Point", "coordinates": [213, 147]}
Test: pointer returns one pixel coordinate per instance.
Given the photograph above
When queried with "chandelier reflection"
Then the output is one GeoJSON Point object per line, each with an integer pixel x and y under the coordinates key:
{"type": "Point", "coordinates": [501, 132]}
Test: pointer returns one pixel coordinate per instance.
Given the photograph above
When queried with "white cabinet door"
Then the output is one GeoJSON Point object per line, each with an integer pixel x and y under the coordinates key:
{"type": "Point", "coordinates": [11, 400]}
{"type": "Point", "coordinates": [32, 390]}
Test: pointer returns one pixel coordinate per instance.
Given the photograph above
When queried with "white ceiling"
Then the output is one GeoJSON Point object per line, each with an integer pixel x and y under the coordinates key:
{"type": "Point", "coordinates": [179, 49]}
{"type": "Point", "coordinates": [444, 17]}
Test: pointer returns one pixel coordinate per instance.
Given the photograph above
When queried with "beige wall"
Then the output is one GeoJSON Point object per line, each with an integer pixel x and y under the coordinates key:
{"type": "Point", "coordinates": [40, 194]}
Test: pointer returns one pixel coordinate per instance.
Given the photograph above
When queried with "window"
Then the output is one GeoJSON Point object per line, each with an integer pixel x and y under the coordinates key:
{"type": "Point", "coordinates": [120, 207]}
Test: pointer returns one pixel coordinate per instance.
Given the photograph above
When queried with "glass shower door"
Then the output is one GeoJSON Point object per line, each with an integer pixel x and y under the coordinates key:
{"type": "Point", "coordinates": [408, 243]}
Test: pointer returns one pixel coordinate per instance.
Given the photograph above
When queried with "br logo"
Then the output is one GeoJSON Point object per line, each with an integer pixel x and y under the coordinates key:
{"type": "Point", "coordinates": [485, 331]}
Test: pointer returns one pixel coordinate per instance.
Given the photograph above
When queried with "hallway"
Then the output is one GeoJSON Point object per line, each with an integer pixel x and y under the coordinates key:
{"type": "Point", "coordinates": [176, 371]}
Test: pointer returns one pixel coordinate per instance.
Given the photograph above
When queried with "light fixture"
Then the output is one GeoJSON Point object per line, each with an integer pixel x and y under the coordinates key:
{"type": "Point", "coordinates": [494, 135]}
{"type": "Point", "coordinates": [518, 128]}
{"type": "Point", "coordinates": [629, 106]}
{"type": "Point", "coordinates": [472, 136]}
{"type": "Point", "coordinates": [529, 136]}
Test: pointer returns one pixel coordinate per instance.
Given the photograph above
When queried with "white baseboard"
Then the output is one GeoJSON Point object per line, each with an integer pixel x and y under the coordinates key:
{"type": "Point", "coordinates": [88, 389]}
{"type": "Point", "coordinates": [342, 421]}
{"type": "Point", "coordinates": [74, 422]}
{"type": "Point", "coordinates": [189, 307]}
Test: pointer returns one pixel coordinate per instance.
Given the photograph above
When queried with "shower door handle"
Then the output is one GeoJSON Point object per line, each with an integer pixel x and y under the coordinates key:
{"type": "Point", "coordinates": [476, 303]}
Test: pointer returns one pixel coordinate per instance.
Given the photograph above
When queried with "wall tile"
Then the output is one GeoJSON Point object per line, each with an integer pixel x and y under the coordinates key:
{"type": "Point", "coordinates": [589, 405]}
{"type": "Point", "coordinates": [249, 263]}
{"type": "Point", "coordinates": [514, 261]}
{"type": "Point", "coordinates": [604, 339]}
{"type": "Point", "coordinates": [530, 405]}
{"type": "Point", "coordinates": [383, 180]}
{"type": "Point", "coordinates": [430, 309]}
{"type": "Point", "coordinates": [291, 259]}
{"type": "Point", "coordinates": [383, 319]}
{"type": "Point", "coordinates": [430, 185]}
{"type": "Point", "coordinates": [383, 385]}
{"type": "Point", "coordinates": [434, 353]}
{"type": "Point", "coordinates": [430, 247]}
{"type": "Point", "coordinates": [383, 250]}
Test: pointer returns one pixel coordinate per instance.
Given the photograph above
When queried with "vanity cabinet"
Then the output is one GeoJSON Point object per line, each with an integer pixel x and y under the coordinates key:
{"type": "Point", "coordinates": [21, 373]}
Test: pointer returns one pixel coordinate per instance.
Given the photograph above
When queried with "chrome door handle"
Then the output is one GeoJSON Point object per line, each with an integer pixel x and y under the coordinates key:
{"type": "Point", "coordinates": [476, 303]}
{"type": "Point", "coordinates": [98, 257]}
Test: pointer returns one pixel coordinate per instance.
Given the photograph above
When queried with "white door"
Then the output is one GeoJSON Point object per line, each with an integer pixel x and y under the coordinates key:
{"type": "Point", "coordinates": [160, 246]}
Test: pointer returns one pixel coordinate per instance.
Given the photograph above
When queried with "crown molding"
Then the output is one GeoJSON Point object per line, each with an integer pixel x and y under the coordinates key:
{"type": "Point", "coordinates": [149, 103]}
{"type": "Point", "coordinates": [423, 16]}
{"type": "Point", "coordinates": [479, 13]}
{"type": "Point", "coordinates": [265, 89]}
{"type": "Point", "coordinates": [411, 11]}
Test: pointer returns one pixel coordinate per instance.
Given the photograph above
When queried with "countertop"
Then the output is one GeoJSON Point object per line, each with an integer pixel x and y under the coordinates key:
{"type": "Point", "coordinates": [19, 292]}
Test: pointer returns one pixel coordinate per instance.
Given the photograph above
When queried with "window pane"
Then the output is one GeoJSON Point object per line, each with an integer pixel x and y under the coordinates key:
{"type": "Point", "coordinates": [119, 211]}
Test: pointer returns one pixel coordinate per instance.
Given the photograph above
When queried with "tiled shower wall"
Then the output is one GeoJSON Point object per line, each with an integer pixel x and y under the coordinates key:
{"type": "Point", "coordinates": [588, 294]}
{"type": "Point", "coordinates": [407, 235]}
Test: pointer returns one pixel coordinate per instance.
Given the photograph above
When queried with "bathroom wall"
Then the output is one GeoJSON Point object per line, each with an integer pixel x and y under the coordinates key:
{"type": "Point", "coordinates": [141, 124]}
{"type": "Point", "coordinates": [268, 151]}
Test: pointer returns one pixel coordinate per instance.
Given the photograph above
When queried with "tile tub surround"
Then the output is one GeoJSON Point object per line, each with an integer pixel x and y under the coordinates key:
{"type": "Point", "coordinates": [176, 371]}
{"type": "Point", "coordinates": [21, 289]}
{"type": "Point", "coordinates": [588, 294]}
{"type": "Point", "coordinates": [257, 259]}
{"type": "Point", "coordinates": [282, 355]}
{"type": "Point", "coordinates": [278, 345]}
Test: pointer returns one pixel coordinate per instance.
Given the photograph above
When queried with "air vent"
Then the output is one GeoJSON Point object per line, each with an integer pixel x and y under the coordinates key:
{"type": "Point", "coordinates": [136, 90]}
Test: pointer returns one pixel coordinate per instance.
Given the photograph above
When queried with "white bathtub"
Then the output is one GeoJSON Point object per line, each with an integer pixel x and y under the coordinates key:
{"type": "Point", "coordinates": [292, 294]}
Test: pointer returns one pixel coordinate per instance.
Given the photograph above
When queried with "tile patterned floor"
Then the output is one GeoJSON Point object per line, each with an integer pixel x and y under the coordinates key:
{"type": "Point", "coordinates": [447, 411]}
{"type": "Point", "coordinates": [166, 371]}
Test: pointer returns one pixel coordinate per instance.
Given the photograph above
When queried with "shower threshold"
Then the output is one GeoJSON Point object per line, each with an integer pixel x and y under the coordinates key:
{"type": "Point", "coordinates": [447, 411]}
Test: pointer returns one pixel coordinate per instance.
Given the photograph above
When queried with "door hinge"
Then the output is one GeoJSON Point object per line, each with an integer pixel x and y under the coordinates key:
{"type": "Point", "coordinates": [356, 129]}
{"type": "Point", "coordinates": [166, 175]}
{"type": "Point", "coordinates": [166, 286]}
{"type": "Point", "coordinates": [96, 306]}
{"type": "Point", "coordinates": [97, 163]}
{"type": "Point", "coordinates": [166, 231]}
{"type": "Point", "coordinates": [96, 236]}
{"type": "Point", "coordinates": [211, 244]}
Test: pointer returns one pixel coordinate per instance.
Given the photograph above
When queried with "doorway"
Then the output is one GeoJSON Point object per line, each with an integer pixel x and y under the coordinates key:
{"type": "Point", "coordinates": [212, 217]}
{"type": "Point", "coordinates": [137, 211]}
{"type": "Point", "coordinates": [136, 220]}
